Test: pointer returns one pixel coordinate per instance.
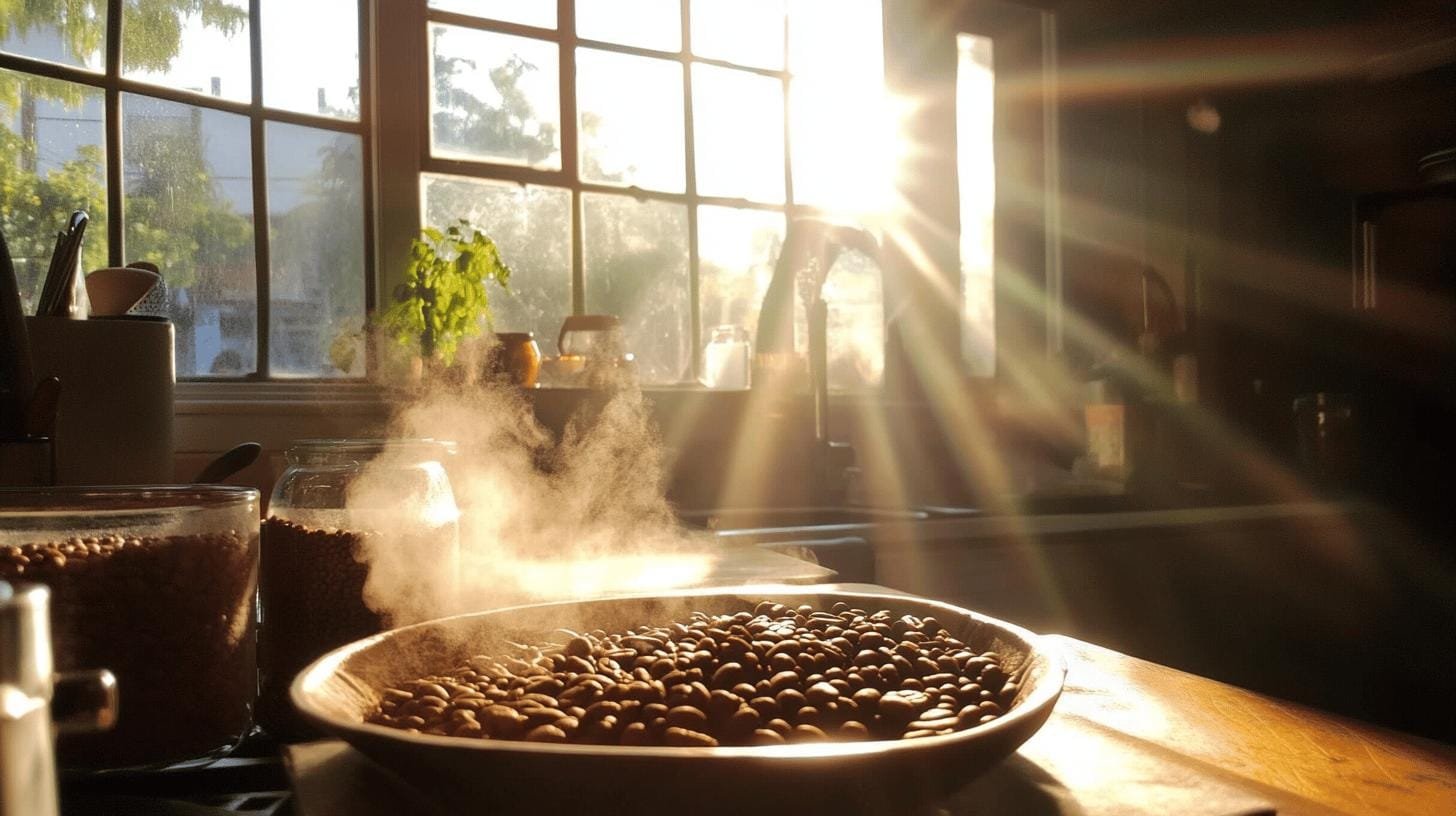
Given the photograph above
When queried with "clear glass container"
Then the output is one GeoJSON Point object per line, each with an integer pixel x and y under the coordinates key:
{"type": "Point", "coordinates": [362, 535]}
{"type": "Point", "coordinates": [156, 584]}
{"type": "Point", "coordinates": [726, 358]}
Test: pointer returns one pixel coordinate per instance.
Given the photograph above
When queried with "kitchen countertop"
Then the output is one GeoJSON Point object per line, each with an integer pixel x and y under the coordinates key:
{"type": "Point", "coordinates": [1127, 737]}
{"type": "Point", "coordinates": [1303, 760]}
{"type": "Point", "coordinates": [970, 525]}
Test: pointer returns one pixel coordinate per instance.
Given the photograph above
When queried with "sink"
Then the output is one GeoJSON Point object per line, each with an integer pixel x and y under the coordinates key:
{"type": "Point", "coordinates": [837, 538]}
{"type": "Point", "coordinates": [768, 518]}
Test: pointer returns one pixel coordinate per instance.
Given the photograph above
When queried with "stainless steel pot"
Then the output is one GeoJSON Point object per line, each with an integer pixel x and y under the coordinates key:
{"type": "Point", "coordinates": [28, 687]}
{"type": "Point", "coordinates": [495, 776]}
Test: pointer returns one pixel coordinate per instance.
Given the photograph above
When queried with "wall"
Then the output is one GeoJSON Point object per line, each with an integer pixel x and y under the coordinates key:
{"type": "Point", "coordinates": [1249, 221]}
{"type": "Point", "coordinates": [1338, 607]}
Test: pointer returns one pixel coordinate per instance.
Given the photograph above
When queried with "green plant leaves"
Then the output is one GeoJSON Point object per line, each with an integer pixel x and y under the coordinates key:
{"type": "Point", "coordinates": [444, 299]}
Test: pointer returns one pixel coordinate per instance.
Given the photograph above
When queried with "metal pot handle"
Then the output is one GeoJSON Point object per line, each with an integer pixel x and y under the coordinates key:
{"type": "Point", "coordinates": [84, 701]}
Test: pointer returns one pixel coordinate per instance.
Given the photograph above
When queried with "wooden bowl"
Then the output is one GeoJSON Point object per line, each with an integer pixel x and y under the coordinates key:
{"type": "Point", "coordinates": [496, 776]}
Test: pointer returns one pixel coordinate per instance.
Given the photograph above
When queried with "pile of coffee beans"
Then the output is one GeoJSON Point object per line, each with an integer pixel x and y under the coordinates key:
{"type": "Point", "coordinates": [171, 617]}
{"type": "Point", "coordinates": [312, 593]}
{"type": "Point", "coordinates": [774, 675]}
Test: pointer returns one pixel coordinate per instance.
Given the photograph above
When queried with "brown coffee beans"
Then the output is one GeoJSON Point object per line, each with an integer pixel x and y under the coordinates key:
{"type": "Point", "coordinates": [311, 588]}
{"type": "Point", "coordinates": [171, 617]}
{"type": "Point", "coordinates": [766, 677]}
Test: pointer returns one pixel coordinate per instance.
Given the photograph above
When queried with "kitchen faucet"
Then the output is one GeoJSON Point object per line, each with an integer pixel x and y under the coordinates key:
{"type": "Point", "coordinates": [811, 246]}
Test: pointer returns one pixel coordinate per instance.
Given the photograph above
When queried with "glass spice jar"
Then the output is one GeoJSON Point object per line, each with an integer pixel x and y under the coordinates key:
{"type": "Point", "coordinates": [156, 584]}
{"type": "Point", "coordinates": [361, 536]}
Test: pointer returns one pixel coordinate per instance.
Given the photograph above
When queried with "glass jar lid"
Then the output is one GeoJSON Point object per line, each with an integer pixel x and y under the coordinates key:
{"type": "Point", "coordinates": [348, 451]}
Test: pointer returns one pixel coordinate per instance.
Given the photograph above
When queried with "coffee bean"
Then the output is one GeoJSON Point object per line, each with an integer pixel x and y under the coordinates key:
{"type": "Point", "coordinates": [853, 730]}
{"type": "Point", "coordinates": [790, 700]}
{"type": "Point", "coordinates": [723, 703]}
{"type": "Point", "coordinates": [728, 675]}
{"type": "Point", "coordinates": [821, 693]}
{"type": "Point", "coordinates": [687, 738]}
{"type": "Point", "coordinates": [635, 734]}
{"type": "Point", "coordinates": [702, 682]}
{"type": "Point", "coordinates": [807, 733]}
{"type": "Point", "coordinates": [578, 647]}
{"type": "Point", "coordinates": [765, 736]}
{"type": "Point", "coordinates": [687, 717]}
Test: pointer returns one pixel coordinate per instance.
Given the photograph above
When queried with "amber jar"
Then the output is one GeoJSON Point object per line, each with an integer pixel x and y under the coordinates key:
{"type": "Point", "coordinates": [515, 359]}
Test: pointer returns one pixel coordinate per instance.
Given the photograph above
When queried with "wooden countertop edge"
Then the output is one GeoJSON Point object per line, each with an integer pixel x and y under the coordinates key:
{"type": "Point", "coordinates": [1283, 748]}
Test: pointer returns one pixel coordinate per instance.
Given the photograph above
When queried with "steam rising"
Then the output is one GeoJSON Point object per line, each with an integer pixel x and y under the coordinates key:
{"type": "Point", "coordinates": [539, 518]}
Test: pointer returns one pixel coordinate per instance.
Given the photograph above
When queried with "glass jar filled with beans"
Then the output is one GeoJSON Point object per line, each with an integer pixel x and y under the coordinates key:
{"type": "Point", "coordinates": [361, 535]}
{"type": "Point", "coordinates": [156, 584]}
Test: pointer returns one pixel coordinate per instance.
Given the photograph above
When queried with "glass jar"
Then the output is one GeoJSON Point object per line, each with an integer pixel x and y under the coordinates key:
{"type": "Point", "coordinates": [726, 358]}
{"type": "Point", "coordinates": [361, 536]}
{"type": "Point", "coordinates": [157, 585]}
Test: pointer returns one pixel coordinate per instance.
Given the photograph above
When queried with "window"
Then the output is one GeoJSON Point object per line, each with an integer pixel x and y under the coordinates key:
{"type": "Point", "coordinates": [223, 140]}
{"type": "Point", "coordinates": [976, 164]}
{"type": "Point", "coordinates": [644, 158]}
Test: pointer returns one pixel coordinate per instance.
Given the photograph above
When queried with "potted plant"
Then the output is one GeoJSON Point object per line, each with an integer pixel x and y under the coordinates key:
{"type": "Point", "coordinates": [443, 298]}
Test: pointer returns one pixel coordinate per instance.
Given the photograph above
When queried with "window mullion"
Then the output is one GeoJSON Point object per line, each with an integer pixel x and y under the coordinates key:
{"type": "Point", "coordinates": [788, 137]}
{"type": "Point", "coordinates": [570, 164]}
{"type": "Point", "coordinates": [695, 320]}
{"type": "Point", "coordinates": [263, 271]}
{"type": "Point", "coordinates": [115, 234]}
{"type": "Point", "coordinates": [366, 164]}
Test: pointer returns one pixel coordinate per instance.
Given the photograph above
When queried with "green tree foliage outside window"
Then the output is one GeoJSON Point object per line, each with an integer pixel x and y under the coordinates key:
{"type": "Point", "coordinates": [203, 233]}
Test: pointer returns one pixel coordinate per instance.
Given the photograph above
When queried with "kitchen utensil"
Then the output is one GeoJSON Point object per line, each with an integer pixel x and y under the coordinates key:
{"type": "Point", "coordinates": [40, 415]}
{"type": "Point", "coordinates": [114, 425]}
{"type": "Point", "coordinates": [157, 585]}
{"type": "Point", "coordinates": [229, 462]}
{"type": "Point", "coordinates": [33, 696]}
{"type": "Point", "coordinates": [114, 290]}
{"type": "Point", "coordinates": [592, 335]}
{"type": "Point", "coordinates": [155, 303]}
{"type": "Point", "coordinates": [64, 291]}
{"type": "Point", "coordinates": [16, 375]}
{"type": "Point", "coordinates": [342, 687]}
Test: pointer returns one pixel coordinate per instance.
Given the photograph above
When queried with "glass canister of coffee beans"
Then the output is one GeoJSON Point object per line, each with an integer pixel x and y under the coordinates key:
{"type": "Point", "coordinates": [156, 584]}
{"type": "Point", "coordinates": [362, 535]}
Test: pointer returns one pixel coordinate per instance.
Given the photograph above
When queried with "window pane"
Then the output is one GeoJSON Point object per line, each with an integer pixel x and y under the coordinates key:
{"type": "Point", "coordinates": [51, 138]}
{"type": "Point", "coordinates": [856, 322]}
{"type": "Point", "coordinates": [737, 250]}
{"type": "Point", "coordinates": [311, 56]}
{"type": "Point", "coordinates": [645, 23]}
{"type": "Point", "coordinates": [189, 207]}
{"type": "Point", "coordinates": [531, 226]}
{"type": "Point", "coordinates": [635, 255]}
{"type": "Point", "coordinates": [841, 124]}
{"type": "Point", "coordinates": [206, 52]}
{"type": "Point", "coordinates": [745, 33]}
{"type": "Point", "coordinates": [497, 97]}
{"type": "Point", "coordinates": [316, 249]}
{"type": "Point", "coordinates": [976, 160]}
{"type": "Point", "coordinates": [540, 13]}
{"type": "Point", "coordinates": [738, 134]}
{"type": "Point", "coordinates": [631, 120]}
{"type": "Point", "coordinates": [73, 34]}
